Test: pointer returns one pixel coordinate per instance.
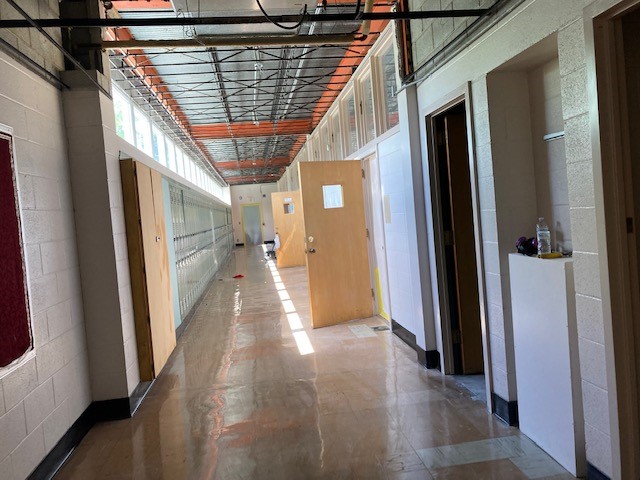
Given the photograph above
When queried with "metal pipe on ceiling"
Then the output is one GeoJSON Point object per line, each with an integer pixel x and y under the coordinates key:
{"type": "Point", "coordinates": [156, 54]}
{"type": "Point", "coordinates": [348, 69]}
{"type": "Point", "coordinates": [257, 76]}
{"type": "Point", "coordinates": [231, 41]}
{"type": "Point", "coordinates": [366, 24]}
{"type": "Point", "coordinates": [301, 61]}
{"type": "Point", "coordinates": [237, 20]}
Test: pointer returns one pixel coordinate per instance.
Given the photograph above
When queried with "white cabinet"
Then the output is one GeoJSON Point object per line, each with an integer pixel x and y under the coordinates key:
{"type": "Point", "coordinates": [546, 357]}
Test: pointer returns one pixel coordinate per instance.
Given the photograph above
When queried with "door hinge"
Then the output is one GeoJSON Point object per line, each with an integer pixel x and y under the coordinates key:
{"type": "Point", "coordinates": [456, 338]}
{"type": "Point", "coordinates": [363, 174]}
{"type": "Point", "coordinates": [629, 225]}
{"type": "Point", "coordinates": [367, 233]}
{"type": "Point", "coordinates": [373, 294]}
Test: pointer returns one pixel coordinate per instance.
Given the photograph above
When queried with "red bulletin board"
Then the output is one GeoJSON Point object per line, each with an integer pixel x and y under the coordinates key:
{"type": "Point", "coordinates": [15, 332]}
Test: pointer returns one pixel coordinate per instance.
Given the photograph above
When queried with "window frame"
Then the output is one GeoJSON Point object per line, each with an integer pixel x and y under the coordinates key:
{"type": "Point", "coordinates": [367, 75]}
{"type": "Point", "coordinates": [129, 107]}
{"type": "Point", "coordinates": [385, 47]}
{"type": "Point", "coordinates": [346, 135]}
{"type": "Point", "coordinates": [336, 134]}
{"type": "Point", "coordinates": [31, 352]}
{"type": "Point", "coordinates": [144, 132]}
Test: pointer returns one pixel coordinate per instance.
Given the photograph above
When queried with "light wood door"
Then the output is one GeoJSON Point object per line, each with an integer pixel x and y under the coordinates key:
{"type": "Point", "coordinates": [466, 278]}
{"type": "Point", "coordinates": [289, 225]}
{"type": "Point", "coordinates": [149, 266]}
{"type": "Point", "coordinates": [335, 241]}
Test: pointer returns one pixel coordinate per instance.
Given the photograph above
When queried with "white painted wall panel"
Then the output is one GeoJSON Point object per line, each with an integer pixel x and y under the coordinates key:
{"type": "Point", "coordinates": [400, 237]}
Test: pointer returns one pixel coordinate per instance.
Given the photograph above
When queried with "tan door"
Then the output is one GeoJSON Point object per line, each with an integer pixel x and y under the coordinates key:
{"type": "Point", "coordinates": [289, 225]}
{"type": "Point", "coordinates": [464, 244]}
{"type": "Point", "coordinates": [149, 266]}
{"type": "Point", "coordinates": [335, 241]}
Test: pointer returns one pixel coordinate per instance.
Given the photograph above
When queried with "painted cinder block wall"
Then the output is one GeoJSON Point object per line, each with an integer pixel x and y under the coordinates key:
{"type": "Point", "coordinates": [529, 24]}
{"type": "Point", "coordinates": [42, 398]}
{"type": "Point", "coordinates": [100, 229]}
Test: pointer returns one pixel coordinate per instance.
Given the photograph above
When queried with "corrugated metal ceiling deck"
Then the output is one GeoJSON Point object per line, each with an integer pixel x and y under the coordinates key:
{"type": "Point", "coordinates": [259, 86]}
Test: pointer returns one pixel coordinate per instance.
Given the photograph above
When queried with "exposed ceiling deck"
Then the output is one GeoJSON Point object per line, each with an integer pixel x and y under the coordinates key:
{"type": "Point", "coordinates": [248, 108]}
{"type": "Point", "coordinates": [244, 91]}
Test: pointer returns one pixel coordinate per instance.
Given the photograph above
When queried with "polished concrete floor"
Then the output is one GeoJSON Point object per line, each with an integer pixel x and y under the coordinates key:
{"type": "Point", "coordinates": [252, 392]}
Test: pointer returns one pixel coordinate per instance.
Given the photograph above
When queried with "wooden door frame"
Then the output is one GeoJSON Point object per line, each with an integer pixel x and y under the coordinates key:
{"type": "Point", "coordinates": [446, 102]}
{"type": "Point", "coordinates": [244, 234]}
{"type": "Point", "coordinates": [612, 185]}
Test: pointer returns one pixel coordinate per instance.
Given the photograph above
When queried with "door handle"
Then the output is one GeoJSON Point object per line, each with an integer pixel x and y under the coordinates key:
{"type": "Point", "coordinates": [312, 250]}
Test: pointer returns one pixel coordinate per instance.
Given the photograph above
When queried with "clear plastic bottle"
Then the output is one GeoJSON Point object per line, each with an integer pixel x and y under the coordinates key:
{"type": "Point", "coordinates": [543, 235]}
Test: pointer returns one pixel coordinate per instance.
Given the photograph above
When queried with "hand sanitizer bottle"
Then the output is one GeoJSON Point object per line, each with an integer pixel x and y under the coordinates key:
{"type": "Point", "coordinates": [543, 236]}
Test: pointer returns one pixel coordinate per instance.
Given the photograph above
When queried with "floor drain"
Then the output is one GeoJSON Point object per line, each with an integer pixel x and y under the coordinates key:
{"type": "Point", "coordinates": [380, 328]}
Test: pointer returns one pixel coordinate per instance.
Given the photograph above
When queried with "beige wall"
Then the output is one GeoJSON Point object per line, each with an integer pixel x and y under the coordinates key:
{"type": "Point", "coordinates": [253, 193]}
{"type": "Point", "coordinates": [549, 156]}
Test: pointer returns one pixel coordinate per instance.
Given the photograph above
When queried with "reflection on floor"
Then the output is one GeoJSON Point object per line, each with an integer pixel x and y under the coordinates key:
{"type": "Point", "coordinates": [475, 384]}
{"type": "Point", "coordinates": [252, 392]}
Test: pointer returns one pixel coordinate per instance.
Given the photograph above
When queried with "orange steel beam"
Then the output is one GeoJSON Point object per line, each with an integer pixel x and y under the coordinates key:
{"type": "Point", "coordinates": [122, 5]}
{"type": "Point", "coordinates": [272, 162]}
{"type": "Point", "coordinates": [249, 129]}
{"type": "Point", "coordinates": [295, 148]}
{"type": "Point", "coordinates": [252, 178]}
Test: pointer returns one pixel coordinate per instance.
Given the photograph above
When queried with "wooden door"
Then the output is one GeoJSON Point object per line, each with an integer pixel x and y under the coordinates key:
{"type": "Point", "coordinates": [149, 266]}
{"type": "Point", "coordinates": [466, 278]}
{"type": "Point", "coordinates": [289, 225]}
{"type": "Point", "coordinates": [335, 241]}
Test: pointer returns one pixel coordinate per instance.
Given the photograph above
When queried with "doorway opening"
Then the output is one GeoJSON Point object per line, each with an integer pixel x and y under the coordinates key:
{"type": "Point", "coordinates": [455, 243]}
{"type": "Point", "coordinates": [617, 65]}
{"type": "Point", "coordinates": [252, 224]}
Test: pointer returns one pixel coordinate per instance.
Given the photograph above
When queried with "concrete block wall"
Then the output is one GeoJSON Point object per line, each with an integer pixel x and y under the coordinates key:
{"type": "Point", "coordinates": [550, 158]}
{"type": "Point", "coordinates": [573, 78]}
{"type": "Point", "coordinates": [28, 40]}
{"type": "Point", "coordinates": [499, 331]}
{"type": "Point", "coordinates": [94, 157]}
{"type": "Point", "coordinates": [116, 207]}
{"type": "Point", "coordinates": [515, 199]}
{"type": "Point", "coordinates": [40, 399]}
{"type": "Point", "coordinates": [528, 25]}
{"type": "Point", "coordinates": [430, 35]}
